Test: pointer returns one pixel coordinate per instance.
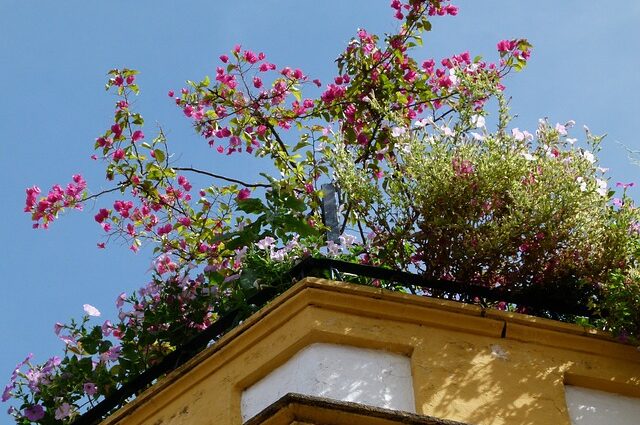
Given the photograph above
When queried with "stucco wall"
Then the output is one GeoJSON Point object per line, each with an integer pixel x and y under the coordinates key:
{"type": "Point", "coordinates": [341, 372]}
{"type": "Point", "coordinates": [473, 366]}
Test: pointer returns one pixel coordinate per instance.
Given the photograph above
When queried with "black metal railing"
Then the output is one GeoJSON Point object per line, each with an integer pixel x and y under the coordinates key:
{"type": "Point", "coordinates": [554, 305]}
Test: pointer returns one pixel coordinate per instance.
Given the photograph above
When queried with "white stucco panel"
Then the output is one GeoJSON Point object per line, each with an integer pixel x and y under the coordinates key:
{"type": "Point", "coordinates": [592, 407]}
{"type": "Point", "coordinates": [372, 377]}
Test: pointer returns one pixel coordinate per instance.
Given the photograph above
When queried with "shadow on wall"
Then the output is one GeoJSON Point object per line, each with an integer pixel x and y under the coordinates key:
{"type": "Point", "coordinates": [484, 383]}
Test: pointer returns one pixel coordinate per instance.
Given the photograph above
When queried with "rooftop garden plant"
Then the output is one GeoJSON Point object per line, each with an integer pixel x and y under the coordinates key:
{"type": "Point", "coordinates": [431, 177]}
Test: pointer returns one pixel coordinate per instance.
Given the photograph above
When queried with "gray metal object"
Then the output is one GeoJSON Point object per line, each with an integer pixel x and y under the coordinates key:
{"type": "Point", "coordinates": [330, 212]}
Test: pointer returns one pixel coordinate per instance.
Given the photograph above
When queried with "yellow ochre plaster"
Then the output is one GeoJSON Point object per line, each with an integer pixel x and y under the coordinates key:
{"type": "Point", "coordinates": [472, 365]}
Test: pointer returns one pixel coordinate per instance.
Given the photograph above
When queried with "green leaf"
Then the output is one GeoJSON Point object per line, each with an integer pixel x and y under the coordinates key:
{"type": "Point", "coordinates": [159, 155]}
{"type": "Point", "coordinates": [251, 205]}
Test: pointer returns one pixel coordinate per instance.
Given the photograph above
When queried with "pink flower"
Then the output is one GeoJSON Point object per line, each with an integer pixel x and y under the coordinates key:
{"type": "Point", "coordinates": [63, 411]}
{"type": "Point", "coordinates": [121, 299]}
{"type": "Point", "coordinates": [137, 135]}
{"type": "Point", "coordinates": [57, 328]}
{"type": "Point", "coordinates": [163, 230]}
{"type": "Point", "coordinates": [243, 194]}
{"type": "Point", "coordinates": [116, 130]}
{"type": "Point", "coordinates": [257, 82]}
{"type": "Point", "coordinates": [102, 215]}
{"type": "Point", "coordinates": [90, 388]}
{"type": "Point", "coordinates": [131, 79]}
{"type": "Point", "coordinates": [506, 45]}
{"type": "Point", "coordinates": [118, 80]}
{"type": "Point", "coordinates": [91, 310]}
{"type": "Point", "coordinates": [625, 185]}
{"type": "Point", "coordinates": [171, 93]}
{"type": "Point", "coordinates": [250, 57]}
{"type": "Point", "coordinates": [118, 155]}
{"type": "Point", "coordinates": [224, 58]}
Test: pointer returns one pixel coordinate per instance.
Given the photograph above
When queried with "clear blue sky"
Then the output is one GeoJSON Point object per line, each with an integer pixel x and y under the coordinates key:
{"type": "Point", "coordinates": [53, 60]}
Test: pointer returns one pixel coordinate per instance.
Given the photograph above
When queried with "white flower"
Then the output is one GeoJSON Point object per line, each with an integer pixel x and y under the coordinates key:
{"type": "Point", "coordinates": [91, 310]}
{"type": "Point", "coordinates": [602, 187]}
{"type": "Point", "coordinates": [561, 129]}
{"type": "Point", "coordinates": [589, 156]}
{"type": "Point", "coordinates": [477, 136]}
{"type": "Point", "coordinates": [517, 134]}
{"type": "Point", "coordinates": [333, 248]}
{"type": "Point", "coordinates": [453, 77]}
{"type": "Point", "coordinates": [265, 243]}
{"type": "Point", "coordinates": [528, 156]}
{"type": "Point", "coordinates": [382, 151]}
{"type": "Point", "coordinates": [240, 254]}
{"type": "Point", "coordinates": [278, 255]}
{"type": "Point", "coordinates": [421, 123]}
{"type": "Point", "coordinates": [478, 121]}
{"type": "Point", "coordinates": [347, 240]}
{"type": "Point", "coordinates": [603, 170]}
{"type": "Point", "coordinates": [583, 184]}
{"type": "Point", "coordinates": [571, 140]}
{"type": "Point", "coordinates": [447, 131]}
{"type": "Point", "coordinates": [398, 131]}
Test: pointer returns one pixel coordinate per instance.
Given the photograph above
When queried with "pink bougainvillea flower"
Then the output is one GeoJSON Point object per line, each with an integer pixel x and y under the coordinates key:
{"type": "Point", "coordinates": [116, 130]}
{"type": "Point", "coordinates": [118, 155]}
{"type": "Point", "coordinates": [137, 135]}
{"type": "Point", "coordinates": [91, 310]}
{"type": "Point", "coordinates": [243, 194]}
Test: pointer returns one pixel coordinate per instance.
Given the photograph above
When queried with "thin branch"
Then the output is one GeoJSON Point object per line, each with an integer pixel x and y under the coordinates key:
{"type": "Point", "coordinates": [120, 186]}
{"type": "Point", "coordinates": [220, 177]}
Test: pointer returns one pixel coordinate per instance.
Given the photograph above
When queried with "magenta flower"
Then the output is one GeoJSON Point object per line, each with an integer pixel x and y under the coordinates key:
{"type": "Point", "coordinates": [625, 185]}
{"type": "Point", "coordinates": [118, 155]}
{"type": "Point", "coordinates": [243, 194]}
{"type": "Point", "coordinates": [116, 130]}
{"type": "Point", "coordinates": [137, 135]}
{"type": "Point", "coordinates": [57, 328]}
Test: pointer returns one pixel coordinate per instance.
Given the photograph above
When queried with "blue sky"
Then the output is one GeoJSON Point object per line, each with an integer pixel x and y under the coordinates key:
{"type": "Point", "coordinates": [53, 61]}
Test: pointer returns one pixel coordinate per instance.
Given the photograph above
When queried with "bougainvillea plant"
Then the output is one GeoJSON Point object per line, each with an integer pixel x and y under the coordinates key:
{"type": "Point", "coordinates": [426, 184]}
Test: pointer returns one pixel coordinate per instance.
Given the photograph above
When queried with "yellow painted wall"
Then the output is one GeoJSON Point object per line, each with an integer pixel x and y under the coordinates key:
{"type": "Point", "coordinates": [463, 368]}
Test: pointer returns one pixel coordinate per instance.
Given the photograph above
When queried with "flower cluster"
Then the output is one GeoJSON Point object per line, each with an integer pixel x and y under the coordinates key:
{"type": "Point", "coordinates": [46, 208]}
{"type": "Point", "coordinates": [423, 181]}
